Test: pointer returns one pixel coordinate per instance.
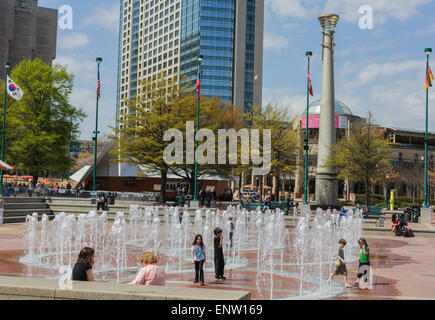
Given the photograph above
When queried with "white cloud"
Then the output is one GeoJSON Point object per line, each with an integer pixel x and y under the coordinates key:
{"type": "Point", "coordinates": [103, 17]}
{"type": "Point", "coordinates": [383, 10]}
{"type": "Point", "coordinates": [428, 31]}
{"type": "Point", "coordinates": [289, 8]}
{"type": "Point", "coordinates": [274, 42]}
{"type": "Point", "coordinates": [400, 103]}
{"type": "Point", "coordinates": [82, 68]}
{"type": "Point", "coordinates": [284, 96]}
{"type": "Point", "coordinates": [86, 100]}
{"type": "Point", "coordinates": [376, 71]}
{"type": "Point", "coordinates": [84, 95]}
{"type": "Point", "coordinates": [73, 40]}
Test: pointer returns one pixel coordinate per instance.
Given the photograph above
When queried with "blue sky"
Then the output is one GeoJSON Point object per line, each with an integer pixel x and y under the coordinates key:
{"type": "Point", "coordinates": [381, 70]}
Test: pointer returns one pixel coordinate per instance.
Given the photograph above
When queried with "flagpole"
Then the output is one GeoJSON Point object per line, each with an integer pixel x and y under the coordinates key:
{"type": "Point", "coordinates": [195, 198]}
{"type": "Point", "coordinates": [428, 52]}
{"type": "Point", "coordinates": [306, 147]}
{"type": "Point", "coordinates": [99, 60]}
{"type": "Point", "coordinates": [6, 65]}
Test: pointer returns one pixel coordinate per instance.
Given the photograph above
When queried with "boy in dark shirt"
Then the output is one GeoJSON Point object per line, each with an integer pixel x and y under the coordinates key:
{"type": "Point", "coordinates": [341, 264]}
{"type": "Point", "coordinates": [219, 262]}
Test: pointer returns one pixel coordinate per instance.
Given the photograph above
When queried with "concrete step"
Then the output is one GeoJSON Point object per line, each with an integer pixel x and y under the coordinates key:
{"type": "Point", "coordinates": [21, 219]}
{"type": "Point", "coordinates": [16, 206]}
{"type": "Point", "coordinates": [86, 210]}
{"type": "Point", "coordinates": [25, 212]}
{"type": "Point", "coordinates": [23, 200]}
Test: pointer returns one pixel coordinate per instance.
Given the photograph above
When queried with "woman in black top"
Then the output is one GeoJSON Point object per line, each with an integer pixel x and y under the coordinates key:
{"type": "Point", "coordinates": [83, 268]}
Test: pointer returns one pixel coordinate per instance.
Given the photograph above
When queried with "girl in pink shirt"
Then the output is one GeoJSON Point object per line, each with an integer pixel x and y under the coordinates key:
{"type": "Point", "coordinates": [151, 273]}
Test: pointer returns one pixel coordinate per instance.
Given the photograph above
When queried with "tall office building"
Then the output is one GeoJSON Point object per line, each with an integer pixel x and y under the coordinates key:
{"type": "Point", "coordinates": [26, 31]}
{"type": "Point", "coordinates": [167, 36]}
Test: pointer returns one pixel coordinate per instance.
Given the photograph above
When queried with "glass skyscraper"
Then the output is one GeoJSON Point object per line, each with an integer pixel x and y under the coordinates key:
{"type": "Point", "coordinates": [167, 36]}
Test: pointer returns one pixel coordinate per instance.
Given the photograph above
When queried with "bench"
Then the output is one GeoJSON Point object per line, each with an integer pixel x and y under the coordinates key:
{"type": "Point", "coordinates": [251, 205]}
{"type": "Point", "coordinates": [373, 211]}
{"type": "Point", "coordinates": [282, 205]}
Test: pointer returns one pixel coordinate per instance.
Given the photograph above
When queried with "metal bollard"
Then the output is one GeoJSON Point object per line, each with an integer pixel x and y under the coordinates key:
{"type": "Point", "coordinates": [381, 222]}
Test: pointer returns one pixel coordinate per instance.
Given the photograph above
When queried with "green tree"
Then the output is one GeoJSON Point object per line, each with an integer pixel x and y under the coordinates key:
{"type": "Point", "coordinates": [164, 105]}
{"type": "Point", "coordinates": [139, 133]}
{"type": "Point", "coordinates": [39, 126]}
{"type": "Point", "coordinates": [285, 146]}
{"type": "Point", "coordinates": [362, 157]}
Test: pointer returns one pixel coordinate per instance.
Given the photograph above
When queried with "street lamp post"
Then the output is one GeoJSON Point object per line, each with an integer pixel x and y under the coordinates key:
{"type": "Point", "coordinates": [98, 60]}
{"type": "Point", "coordinates": [414, 190]}
{"type": "Point", "coordinates": [387, 190]}
{"type": "Point", "coordinates": [428, 51]}
{"type": "Point", "coordinates": [6, 65]}
{"type": "Point", "coordinates": [195, 198]}
{"type": "Point", "coordinates": [308, 54]}
{"type": "Point", "coordinates": [422, 160]}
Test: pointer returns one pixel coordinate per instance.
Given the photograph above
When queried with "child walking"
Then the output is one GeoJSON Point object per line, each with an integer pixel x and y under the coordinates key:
{"type": "Point", "coordinates": [231, 223]}
{"type": "Point", "coordinates": [364, 263]}
{"type": "Point", "coordinates": [198, 258]}
{"type": "Point", "coordinates": [219, 263]}
{"type": "Point", "coordinates": [340, 269]}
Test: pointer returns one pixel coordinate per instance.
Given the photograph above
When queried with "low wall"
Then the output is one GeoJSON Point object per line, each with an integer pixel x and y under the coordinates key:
{"type": "Point", "coordinates": [20, 288]}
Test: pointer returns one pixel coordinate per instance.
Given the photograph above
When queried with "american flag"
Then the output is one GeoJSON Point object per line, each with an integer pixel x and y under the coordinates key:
{"type": "Point", "coordinates": [98, 86]}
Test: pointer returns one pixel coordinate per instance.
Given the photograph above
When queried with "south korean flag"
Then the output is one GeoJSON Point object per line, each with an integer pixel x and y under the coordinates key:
{"type": "Point", "coordinates": [14, 91]}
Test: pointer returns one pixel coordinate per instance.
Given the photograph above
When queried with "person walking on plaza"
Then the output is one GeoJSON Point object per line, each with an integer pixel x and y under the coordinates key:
{"type": "Point", "coordinates": [56, 189]}
{"type": "Point", "coordinates": [198, 258]}
{"type": "Point", "coordinates": [231, 223]}
{"type": "Point", "coordinates": [219, 262]}
{"type": "Point", "coordinates": [38, 188]}
{"type": "Point", "coordinates": [364, 264]}
{"type": "Point", "coordinates": [201, 197]}
{"type": "Point", "coordinates": [150, 274]}
{"type": "Point", "coordinates": [340, 268]}
{"type": "Point", "coordinates": [83, 268]}
{"type": "Point", "coordinates": [208, 197]}
{"type": "Point", "coordinates": [100, 202]}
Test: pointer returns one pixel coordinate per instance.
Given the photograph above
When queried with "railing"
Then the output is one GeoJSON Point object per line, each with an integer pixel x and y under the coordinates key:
{"type": "Point", "coordinates": [83, 194]}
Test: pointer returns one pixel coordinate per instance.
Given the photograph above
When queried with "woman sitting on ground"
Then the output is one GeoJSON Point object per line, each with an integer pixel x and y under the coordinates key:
{"type": "Point", "coordinates": [151, 273]}
{"type": "Point", "coordinates": [83, 268]}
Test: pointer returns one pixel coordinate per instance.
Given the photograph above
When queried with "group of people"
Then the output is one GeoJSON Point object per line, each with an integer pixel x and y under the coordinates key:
{"type": "Point", "coordinates": [151, 273]}
{"type": "Point", "coordinates": [199, 256]}
{"type": "Point", "coordinates": [400, 227]}
{"type": "Point", "coordinates": [363, 267]}
{"type": "Point", "coordinates": [206, 197]}
{"type": "Point", "coordinates": [40, 189]}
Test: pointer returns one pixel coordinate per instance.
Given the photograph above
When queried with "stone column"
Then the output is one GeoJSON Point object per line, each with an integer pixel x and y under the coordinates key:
{"type": "Point", "coordinates": [426, 217]}
{"type": "Point", "coordinates": [326, 183]}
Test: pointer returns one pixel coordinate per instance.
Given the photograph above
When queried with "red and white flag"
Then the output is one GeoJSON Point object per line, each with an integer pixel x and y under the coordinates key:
{"type": "Point", "coordinates": [310, 87]}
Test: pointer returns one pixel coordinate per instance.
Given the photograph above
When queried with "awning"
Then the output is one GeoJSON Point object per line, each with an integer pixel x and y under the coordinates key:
{"type": "Point", "coordinates": [79, 175]}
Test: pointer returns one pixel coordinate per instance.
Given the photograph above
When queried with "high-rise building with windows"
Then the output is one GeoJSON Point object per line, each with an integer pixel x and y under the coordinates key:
{"type": "Point", "coordinates": [27, 31]}
{"type": "Point", "coordinates": [167, 36]}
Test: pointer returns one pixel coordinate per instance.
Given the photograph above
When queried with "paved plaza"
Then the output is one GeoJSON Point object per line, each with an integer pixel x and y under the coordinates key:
{"type": "Point", "coordinates": [403, 268]}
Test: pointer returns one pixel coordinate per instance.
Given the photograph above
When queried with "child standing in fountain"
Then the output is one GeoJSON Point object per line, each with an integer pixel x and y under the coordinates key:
{"type": "Point", "coordinates": [341, 264]}
{"type": "Point", "coordinates": [219, 262]}
{"type": "Point", "coordinates": [364, 264]}
{"type": "Point", "coordinates": [198, 258]}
